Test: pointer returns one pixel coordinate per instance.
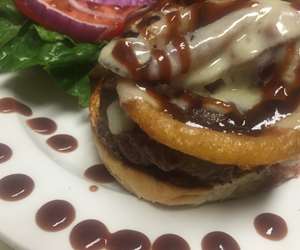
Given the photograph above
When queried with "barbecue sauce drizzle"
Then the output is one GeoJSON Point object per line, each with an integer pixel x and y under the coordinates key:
{"type": "Point", "coordinates": [279, 100]}
{"type": "Point", "coordinates": [201, 14]}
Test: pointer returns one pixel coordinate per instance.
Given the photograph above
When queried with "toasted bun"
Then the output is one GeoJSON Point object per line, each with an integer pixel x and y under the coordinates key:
{"type": "Point", "coordinates": [149, 188]}
{"type": "Point", "coordinates": [246, 152]}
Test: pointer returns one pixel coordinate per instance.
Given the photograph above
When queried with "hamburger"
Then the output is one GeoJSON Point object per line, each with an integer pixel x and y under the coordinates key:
{"type": "Point", "coordinates": [198, 101]}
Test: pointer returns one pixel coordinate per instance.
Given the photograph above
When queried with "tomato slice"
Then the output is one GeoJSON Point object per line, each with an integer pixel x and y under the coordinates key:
{"type": "Point", "coordinates": [82, 20]}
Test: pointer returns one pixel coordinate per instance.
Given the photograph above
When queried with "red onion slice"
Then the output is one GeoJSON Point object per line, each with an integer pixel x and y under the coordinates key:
{"type": "Point", "coordinates": [123, 3]}
{"type": "Point", "coordinates": [76, 18]}
{"type": "Point", "coordinates": [80, 6]}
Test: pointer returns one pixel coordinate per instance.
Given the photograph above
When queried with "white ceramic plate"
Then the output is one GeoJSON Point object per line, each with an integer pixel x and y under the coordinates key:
{"type": "Point", "coordinates": [61, 176]}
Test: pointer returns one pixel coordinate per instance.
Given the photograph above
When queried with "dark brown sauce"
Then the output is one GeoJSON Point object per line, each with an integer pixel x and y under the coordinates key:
{"type": "Point", "coordinates": [124, 54]}
{"type": "Point", "coordinates": [275, 87]}
{"type": "Point", "coordinates": [15, 187]}
{"type": "Point", "coordinates": [89, 234]}
{"type": "Point", "coordinates": [194, 16]}
{"type": "Point", "coordinates": [163, 62]}
{"type": "Point", "coordinates": [184, 53]}
{"type": "Point", "coordinates": [5, 153]}
{"type": "Point", "coordinates": [63, 143]}
{"type": "Point", "coordinates": [173, 24]}
{"type": "Point", "coordinates": [55, 215]}
{"type": "Point", "coordinates": [99, 173]}
{"type": "Point", "coordinates": [11, 105]}
{"type": "Point", "coordinates": [94, 188]}
{"type": "Point", "coordinates": [42, 125]}
{"type": "Point", "coordinates": [170, 242]}
{"type": "Point", "coordinates": [271, 226]}
{"type": "Point", "coordinates": [128, 240]}
{"type": "Point", "coordinates": [218, 241]}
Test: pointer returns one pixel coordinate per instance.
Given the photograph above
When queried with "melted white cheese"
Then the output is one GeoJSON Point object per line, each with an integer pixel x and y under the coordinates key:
{"type": "Point", "coordinates": [118, 121]}
{"type": "Point", "coordinates": [275, 22]}
{"type": "Point", "coordinates": [128, 91]}
{"type": "Point", "coordinates": [244, 98]}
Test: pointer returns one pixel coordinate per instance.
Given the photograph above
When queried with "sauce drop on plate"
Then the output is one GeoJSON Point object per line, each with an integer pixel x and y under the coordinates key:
{"type": "Point", "coordinates": [99, 173]}
{"type": "Point", "coordinates": [11, 105]}
{"type": "Point", "coordinates": [219, 240]}
{"type": "Point", "coordinates": [170, 242]}
{"type": "Point", "coordinates": [89, 234]}
{"type": "Point", "coordinates": [63, 143]}
{"type": "Point", "coordinates": [15, 187]}
{"type": "Point", "coordinates": [42, 125]}
{"type": "Point", "coordinates": [128, 240]}
{"type": "Point", "coordinates": [271, 226]}
{"type": "Point", "coordinates": [55, 215]}
{"type": "Point", "coordinates": [5, 153]}
{"type": "Point", "coordinates": [94, 188]}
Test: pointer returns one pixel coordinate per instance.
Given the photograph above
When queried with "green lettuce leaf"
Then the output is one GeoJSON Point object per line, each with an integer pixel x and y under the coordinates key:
{"type": "Point", "coordinates": [8, 31]}
{"type": "Point", "coordinates": [48, 36]}
{"type": "Point", "coordinates": [9, 12]}
{"type": "Point", "coordinates": [10, 21]}
{"type": "Point", "coordinates": [74, 80]}
{"type": "Point", "coordinates": [24, 44]}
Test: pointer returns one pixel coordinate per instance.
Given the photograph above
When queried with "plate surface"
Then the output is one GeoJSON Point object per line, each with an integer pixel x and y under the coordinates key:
{"type": "Point", "coordinates": [60, 176]}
